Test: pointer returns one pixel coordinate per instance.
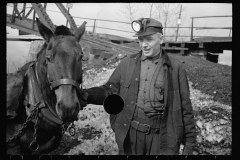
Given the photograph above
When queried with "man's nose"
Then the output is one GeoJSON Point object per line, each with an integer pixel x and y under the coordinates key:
{"type": "Point", "coordinates": [144, 44]}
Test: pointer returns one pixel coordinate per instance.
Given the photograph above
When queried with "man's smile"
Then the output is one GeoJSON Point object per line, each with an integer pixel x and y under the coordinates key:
{"type": "Point", "coordinates": [146, 50]}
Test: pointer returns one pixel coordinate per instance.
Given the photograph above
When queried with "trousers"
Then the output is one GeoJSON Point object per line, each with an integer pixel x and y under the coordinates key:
{"type": "Point", "coordinates": [139, 143]}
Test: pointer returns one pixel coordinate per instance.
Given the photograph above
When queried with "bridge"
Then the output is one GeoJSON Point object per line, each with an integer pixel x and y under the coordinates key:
{"type": "Point", "coordinates": [198, 45]}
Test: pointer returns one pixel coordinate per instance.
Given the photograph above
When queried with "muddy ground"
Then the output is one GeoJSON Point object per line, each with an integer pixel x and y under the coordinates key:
{"type": "Point", "coordinates": [210, 78]}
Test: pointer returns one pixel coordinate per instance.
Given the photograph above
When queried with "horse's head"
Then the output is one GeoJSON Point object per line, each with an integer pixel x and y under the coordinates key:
{"type": "Point", "coordinates": [61, 63]}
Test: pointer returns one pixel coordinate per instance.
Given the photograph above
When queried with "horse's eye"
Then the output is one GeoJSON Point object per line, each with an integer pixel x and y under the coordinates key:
{"type": "Point", "coordinates": [49, 57]}
{"type": "Point", "coordinates": [80, 57]}
{"type": "Point", "coordinates": [49, 47]}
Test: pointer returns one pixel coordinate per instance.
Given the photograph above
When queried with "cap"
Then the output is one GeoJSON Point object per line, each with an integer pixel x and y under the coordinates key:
{"type": "Point", "coordinates": [150, 26]}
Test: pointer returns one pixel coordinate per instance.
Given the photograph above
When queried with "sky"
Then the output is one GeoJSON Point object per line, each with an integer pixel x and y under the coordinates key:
{"type": "Point", "coordinates": [111, 11]}
{"type": "Point", "coordinates": [18, 51]}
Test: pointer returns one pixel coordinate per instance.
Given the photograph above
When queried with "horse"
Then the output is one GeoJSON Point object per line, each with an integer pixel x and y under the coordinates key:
{"type": "Point", "coordinates": [51, 97]}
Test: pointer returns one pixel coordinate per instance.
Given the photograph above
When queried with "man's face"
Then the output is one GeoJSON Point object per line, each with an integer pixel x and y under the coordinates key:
{"type": "Point", "coordinates": [150, 44]}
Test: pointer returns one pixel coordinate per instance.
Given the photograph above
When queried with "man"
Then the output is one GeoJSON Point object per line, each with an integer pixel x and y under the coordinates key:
{"type": "Point", "coordinates": [157, 116]}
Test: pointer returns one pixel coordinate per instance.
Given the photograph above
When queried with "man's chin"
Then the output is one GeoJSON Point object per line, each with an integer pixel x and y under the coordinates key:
{"type": "Point", "coordinates": [147, 55]}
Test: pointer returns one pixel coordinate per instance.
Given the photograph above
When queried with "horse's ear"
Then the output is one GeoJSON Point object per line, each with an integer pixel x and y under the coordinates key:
{"type": "Point", "coordinates": [80, 31]}
{"type": "Point", "coordinates": [45, 32]}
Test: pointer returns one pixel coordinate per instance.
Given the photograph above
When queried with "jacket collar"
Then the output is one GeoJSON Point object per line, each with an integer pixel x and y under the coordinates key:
{"type": "Point", "coordinates": [166, 60]}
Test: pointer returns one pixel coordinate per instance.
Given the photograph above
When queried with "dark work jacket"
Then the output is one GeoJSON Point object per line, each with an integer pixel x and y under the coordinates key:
{"type": "Point", "coordinates": [177, 125]}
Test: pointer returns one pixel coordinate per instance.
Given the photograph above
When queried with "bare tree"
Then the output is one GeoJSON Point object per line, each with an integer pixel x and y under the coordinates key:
{"type": "Point", "coordinates": [152, 9]}
{"type": "Point", "coordinates": [166, 13]}
{"type": "Point", "coordinates": [129, 11]}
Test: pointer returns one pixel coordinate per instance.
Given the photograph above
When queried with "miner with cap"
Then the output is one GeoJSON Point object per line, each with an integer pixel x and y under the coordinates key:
{"type": "Point", "coordinates": [157, 116]}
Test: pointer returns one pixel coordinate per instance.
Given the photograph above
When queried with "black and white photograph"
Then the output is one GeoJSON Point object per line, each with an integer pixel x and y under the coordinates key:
{"type": "Point", "coordinates": [119, 79]}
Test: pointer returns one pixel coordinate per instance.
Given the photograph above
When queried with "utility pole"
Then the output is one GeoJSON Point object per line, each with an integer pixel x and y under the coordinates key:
{"type": "Point", "coordinates": [178, 23]}
{"type": "Point", "coordinates": [95, 24]}
{"type": "Point", "coordinates": [191, 38]}
{"type": "Point", "coordinates": [69, 5]}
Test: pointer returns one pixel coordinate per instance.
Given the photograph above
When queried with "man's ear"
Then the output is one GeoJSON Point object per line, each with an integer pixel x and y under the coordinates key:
{"type": "Point", "coordinates": [161, 38]}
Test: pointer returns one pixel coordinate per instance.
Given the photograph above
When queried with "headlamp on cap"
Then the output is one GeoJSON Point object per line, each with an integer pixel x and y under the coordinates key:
{"type": "Point", "coordinates": [146, 26]}
{"type": "Point", "coordinates": [137, 26]}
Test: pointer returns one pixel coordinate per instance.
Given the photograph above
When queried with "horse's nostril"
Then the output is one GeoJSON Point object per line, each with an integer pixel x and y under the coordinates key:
{"type": "Point", "coordinates": [59, 104]}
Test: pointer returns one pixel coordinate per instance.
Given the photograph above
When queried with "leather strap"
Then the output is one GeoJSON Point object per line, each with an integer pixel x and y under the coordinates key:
{"type": "Point", "coordinates": [65, 81]}
{"type": "Point", "coordinates": [36, 87]}
{"type": "Point", "coordinates": [49, 116]}
{"type": "Point", "coordinates": [145, 128]}
{"type": "Point", "coordinates": [48, 112]}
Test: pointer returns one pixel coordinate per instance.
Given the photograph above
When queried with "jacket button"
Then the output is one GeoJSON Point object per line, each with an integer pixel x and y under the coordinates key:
{"type": "Point", "coordinates": [125, 125]}
{"type": "Point", "coordinates": [136, 79]}
{"type": "Point", "coordinates": [132, 102]}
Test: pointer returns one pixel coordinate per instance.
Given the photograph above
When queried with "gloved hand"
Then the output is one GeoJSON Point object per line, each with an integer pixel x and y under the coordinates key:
{"type": "Point", "coordinates": [84, 94]}
{"type": "Point", "coordinates": [187, 150]}
{"type": "Point", "coordinates": [83, 98]}
{"type": "Point", "coordinates": [94, 95]}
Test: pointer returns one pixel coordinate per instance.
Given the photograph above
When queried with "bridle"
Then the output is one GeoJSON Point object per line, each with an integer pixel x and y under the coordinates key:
{"type": "Point", "coordinates": [64, 81]}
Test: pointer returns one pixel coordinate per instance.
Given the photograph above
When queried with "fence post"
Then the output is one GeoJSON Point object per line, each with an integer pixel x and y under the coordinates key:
{"type": "Point", "coordinates": [191, 38]}
{"type": "Point", "coordinates": [94, 25]}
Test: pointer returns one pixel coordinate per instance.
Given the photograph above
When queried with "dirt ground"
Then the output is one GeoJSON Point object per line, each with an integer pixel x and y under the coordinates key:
{"type": "Point", "coordinates": [68, 142]}
{"type": "Point", "coordinates": [210, 78]}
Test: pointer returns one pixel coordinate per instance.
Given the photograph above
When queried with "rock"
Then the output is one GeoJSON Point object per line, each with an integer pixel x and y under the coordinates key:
{"type": "Point", "coordinates": [222, 121]}
{"type": "Point", "coordinates": [199, 124]}
{"type": "Point", "coordinates": [215, 112]}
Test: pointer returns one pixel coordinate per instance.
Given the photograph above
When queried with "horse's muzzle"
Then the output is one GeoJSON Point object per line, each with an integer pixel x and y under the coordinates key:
{"type": "Point", "coordinates": [68, 105]}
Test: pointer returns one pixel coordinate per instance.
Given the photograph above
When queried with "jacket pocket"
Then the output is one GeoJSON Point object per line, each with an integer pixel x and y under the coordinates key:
{"type": "Point", "coordinates": [124, 88]}
{"type": "Point", "coordinates": [125, 83]}
{"type": "Point", "coordinates": [159, 92]}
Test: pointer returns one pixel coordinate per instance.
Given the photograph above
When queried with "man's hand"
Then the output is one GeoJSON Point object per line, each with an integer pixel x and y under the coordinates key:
{"type": "Point", "coordinates": [187, 150]}
{"type": "Point", "coordinates": [84, 95]}
{"type": "Point", "coordinates": [83, 99]}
